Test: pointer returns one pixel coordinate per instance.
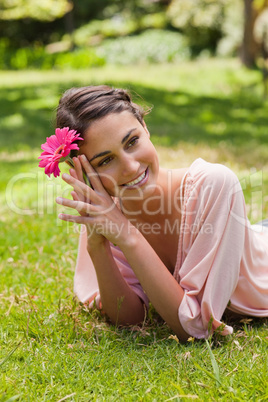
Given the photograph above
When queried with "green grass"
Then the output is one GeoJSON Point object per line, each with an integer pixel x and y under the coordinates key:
{"type": "Point", "coordinates": [51, 347]}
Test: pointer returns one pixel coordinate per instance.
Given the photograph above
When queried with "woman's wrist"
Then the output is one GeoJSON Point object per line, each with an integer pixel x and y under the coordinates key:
{"type": "Point", "coordinates": [96, 243]}
{"type": "Point", "coordinates": [129, 237]}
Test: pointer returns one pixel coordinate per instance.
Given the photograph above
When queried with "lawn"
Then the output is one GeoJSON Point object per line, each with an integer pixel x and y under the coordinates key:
{"type": "Point", "coordinates": [52, 348]}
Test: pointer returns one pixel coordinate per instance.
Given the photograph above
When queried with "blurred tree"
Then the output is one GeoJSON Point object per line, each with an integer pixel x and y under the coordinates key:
{"type": "Point", "coordinates": [134, 8]}
{"type": "Point", "coordinates": [250, 46]}
{"type": "Point", "coordinates": [28, 21]}
{"type": "Point", "coordinates": [200, 20]}
{"type": "Point", "coordinates": [261, 37]}
{"type": "Point", "coordinates": [232, 29]}
{"type": "Point", "coordinates": [209, 23]}
{"type": "Point", "coordinates": [44, 10]}
{"type": "Point", "coordinates": [69, 23]}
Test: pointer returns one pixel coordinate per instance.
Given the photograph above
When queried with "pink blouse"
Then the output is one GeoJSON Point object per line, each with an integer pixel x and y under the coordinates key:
{"type": "Point", "coordinates": [222, 260]}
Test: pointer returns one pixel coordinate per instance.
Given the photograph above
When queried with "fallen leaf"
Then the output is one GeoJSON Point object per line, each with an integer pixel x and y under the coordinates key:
{"type": "Point", "coordinates": [174, 337]}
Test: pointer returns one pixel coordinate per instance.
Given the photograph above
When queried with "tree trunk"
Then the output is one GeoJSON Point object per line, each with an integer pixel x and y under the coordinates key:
{"type": "Point", "coordinates": [249, 47]}
{"type": "Point", "coordinates": [69, 24]}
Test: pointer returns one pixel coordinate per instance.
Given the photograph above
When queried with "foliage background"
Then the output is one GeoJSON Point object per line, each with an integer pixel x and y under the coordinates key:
{"type": "Point", "coordinates": [35, 31]}
{"type": "Point", "coordinates": [181, 57]}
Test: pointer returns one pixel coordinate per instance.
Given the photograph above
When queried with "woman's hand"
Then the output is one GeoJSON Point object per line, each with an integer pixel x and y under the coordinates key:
{"type": "Point", "coordinates": [97, 210]}
{"type": "Point", "coordinates": [94, 239]}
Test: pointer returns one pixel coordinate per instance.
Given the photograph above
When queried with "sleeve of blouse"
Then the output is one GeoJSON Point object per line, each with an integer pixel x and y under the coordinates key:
{"type": "Point", "coordinates": [212, 247]}
{"type": "Point", "coordinates": [86, 285]}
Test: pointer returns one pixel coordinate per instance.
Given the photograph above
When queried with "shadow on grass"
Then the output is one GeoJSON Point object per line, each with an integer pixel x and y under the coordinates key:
{"type": "Point", "coordinates": [27, 115]}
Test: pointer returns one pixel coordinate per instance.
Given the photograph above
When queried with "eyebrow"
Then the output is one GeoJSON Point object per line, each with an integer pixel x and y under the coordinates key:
{"type": "Point", "coordinates": [125, 138]}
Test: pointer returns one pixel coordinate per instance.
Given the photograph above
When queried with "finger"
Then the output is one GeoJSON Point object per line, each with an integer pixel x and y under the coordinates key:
{"type": "Point", "coordinates": [74, 196]}
{"type": "Point", "coordinates": [78, 169]}
{"type": "Point", "coordinates": [73, 173]}
{"type": "Point", "coordinates": [75, 218]}
{"type": "Point", "coordinates": [67, 203]}
{"type": "Point", "coordinates": [82, 207]}
{"type": "Point", "coordinates": [80, 188]}
{"type": "Point", "coordinates": [91, 173]}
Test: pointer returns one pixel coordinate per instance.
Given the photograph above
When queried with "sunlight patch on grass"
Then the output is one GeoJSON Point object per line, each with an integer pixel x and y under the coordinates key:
{"type": "Point", "coordinates": [22, 155]}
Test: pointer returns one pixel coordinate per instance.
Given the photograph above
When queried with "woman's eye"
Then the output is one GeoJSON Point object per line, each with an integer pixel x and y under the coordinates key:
{"type": "Point", "coordinates": [132, 142]}
{"type": "Point", "coordinates": [105, 161]}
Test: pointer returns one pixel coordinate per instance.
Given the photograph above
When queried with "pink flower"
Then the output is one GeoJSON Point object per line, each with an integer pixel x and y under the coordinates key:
{"type": "Point", "coordinates": [57, 150]}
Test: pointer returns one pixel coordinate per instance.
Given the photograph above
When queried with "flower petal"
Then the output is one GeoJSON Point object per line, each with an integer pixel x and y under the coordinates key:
{"type": "Point", "coordinates": [57, 148]}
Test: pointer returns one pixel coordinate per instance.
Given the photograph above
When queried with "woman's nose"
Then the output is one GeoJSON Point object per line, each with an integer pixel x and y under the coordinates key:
{"type": "Point", "coordinates": [129, 166]}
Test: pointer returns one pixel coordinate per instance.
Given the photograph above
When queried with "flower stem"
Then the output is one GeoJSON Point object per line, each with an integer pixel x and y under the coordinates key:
{"type": "Point", "coordinates": [70, 162]}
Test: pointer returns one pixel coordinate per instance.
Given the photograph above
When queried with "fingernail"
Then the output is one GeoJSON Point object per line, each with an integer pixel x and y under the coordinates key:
{"type": "Point", "coordinates": [60, 216]}
{"type": "Point", "coordinates": [83, 157]}
{"type": "Point", "coordinates": [59, 200]}
{"type": "Point", "coordinates": [65, 176]}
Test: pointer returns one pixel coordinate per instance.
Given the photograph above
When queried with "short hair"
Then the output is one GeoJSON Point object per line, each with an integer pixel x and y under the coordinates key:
{"type": "Point", "coordinates": [79, 107]}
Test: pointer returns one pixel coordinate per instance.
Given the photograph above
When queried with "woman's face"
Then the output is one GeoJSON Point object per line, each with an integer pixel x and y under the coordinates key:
{"type": "Point", "coordinates": [118, 147]}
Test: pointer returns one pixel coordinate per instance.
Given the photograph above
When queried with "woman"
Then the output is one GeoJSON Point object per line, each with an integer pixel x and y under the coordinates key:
{"type": "Point", "coordinates": [178, 238]}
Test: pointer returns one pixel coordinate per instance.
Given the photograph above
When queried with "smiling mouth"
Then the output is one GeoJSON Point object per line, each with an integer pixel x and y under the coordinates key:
{"type": "Point", "coordinates": [136, 181]}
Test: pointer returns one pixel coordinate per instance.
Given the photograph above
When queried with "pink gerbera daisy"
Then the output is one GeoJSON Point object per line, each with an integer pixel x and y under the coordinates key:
{"type": "Point", "coordinates": [57, 149]}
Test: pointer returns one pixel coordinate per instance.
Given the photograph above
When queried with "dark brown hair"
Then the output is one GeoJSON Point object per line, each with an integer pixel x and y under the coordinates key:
{"type": "Point", "coordinates": [78, 107]}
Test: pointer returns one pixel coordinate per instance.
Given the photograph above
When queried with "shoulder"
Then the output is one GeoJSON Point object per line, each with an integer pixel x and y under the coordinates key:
{"type": "Point", "coordinates": [210, 183]}
{"type": "Point", "coordinates": [213, 174]}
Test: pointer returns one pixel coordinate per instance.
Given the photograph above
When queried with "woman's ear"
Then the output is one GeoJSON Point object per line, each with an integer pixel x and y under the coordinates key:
{"type": "Point", "coordinates": [145, 128]}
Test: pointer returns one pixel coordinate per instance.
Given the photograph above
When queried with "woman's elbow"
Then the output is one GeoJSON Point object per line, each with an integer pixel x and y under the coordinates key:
{"type": "Point", "coordinates": [125, 316]}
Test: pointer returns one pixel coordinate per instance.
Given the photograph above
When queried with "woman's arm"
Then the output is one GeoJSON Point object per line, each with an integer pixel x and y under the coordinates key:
{"type": "Point", "coordinates": [119, 301]}
{"type": "Point", "coordinates": [162, 289]}
{"type": "Point", "coordinates": [159, 285]}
